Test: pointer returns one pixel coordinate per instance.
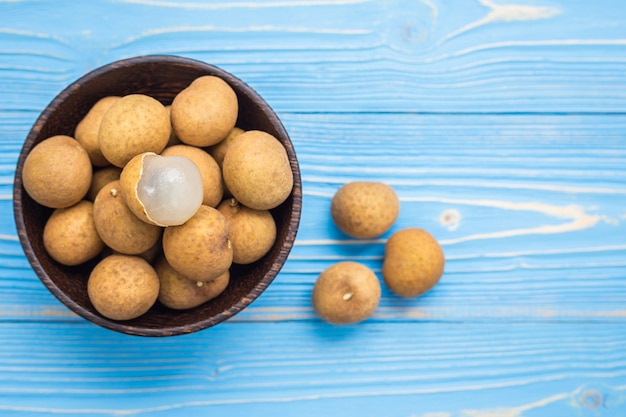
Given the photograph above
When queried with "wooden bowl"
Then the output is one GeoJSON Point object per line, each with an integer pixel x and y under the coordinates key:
{"type": "Point", "coordinates": [161, 77]}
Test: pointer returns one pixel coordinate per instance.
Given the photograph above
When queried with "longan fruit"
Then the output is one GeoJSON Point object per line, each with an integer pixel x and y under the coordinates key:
{"type": "Point", "coordinates": [179, 292]}
{"type": "Point", "coordinates": [252, 232]}
{"type": "Point", "coordinates": [123, 287]}
{"type": "Point", "coordinates": [57, 172]}
{"type": "Point", "coordinates": [118, 227]}
{"type": "Point", "coordinates": [346, 292]}
{"type": "Point", "coordinates": [218, 151]}
{"type": "Point", "coordinates": [205, 112]}
{"type": "Point", "coordinates": [257, 171]}
{"type": "Point", "coordinates": [200, 248]}
{"type": "Point", "coordinates": [87, 129]}
{"type": "Point", "coordinates": [173, 140]}
{"type": "Point", "coordinates": [413, 262]}
{"type": "Point", "coordinates": [134, 124]}
{"type": "Point", "coordinates": [102, 177]}
{"type": "Point", "coordinates": [162, 190]}
{"type": "Point", "coordinates": [364, 209]}
{"type": "Point", "coordinates": [70, 236]}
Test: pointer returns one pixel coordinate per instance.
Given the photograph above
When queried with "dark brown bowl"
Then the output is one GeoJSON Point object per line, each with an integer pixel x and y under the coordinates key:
{"type": "Point", "coordinates": [161, 77]}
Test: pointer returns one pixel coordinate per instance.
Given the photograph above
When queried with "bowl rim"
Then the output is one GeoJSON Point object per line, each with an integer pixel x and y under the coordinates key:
{"type": "Point", "coordinates": [121, 326]}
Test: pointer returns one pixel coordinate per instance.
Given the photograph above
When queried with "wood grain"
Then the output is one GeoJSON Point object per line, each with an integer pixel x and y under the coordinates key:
{"type": "Point", "coordinates": [536, 206]}
{"type": "Point", "coordinates": [405, 55]}
{"type": "Point", "coordinates": [500, 123]}
{"type": "Point", "coordinates": [511, 370]}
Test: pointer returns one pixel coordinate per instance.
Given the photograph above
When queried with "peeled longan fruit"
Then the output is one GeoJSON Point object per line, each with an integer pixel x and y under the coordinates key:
{"type": "Point", "coordinates": [179, 292]}
{"type": "Point", "coordinates": [57, 172]}
{"type": "Point", "coordinates": [209, 171]}
{"type": "Point", "coordinates": [123, 287]}
{"type": "Point", "coordinates": [199, 249]}
{"type": "Point", "coordinates": [252, 232]}
{"type": "Point", "coordinates": [346, 292]}
{"type": "Point", "coordinates": [365, 210]}
{"type": "Point", "coordinates": [102, 177]}
{"type": "Point", "coordinates": [204, 112]}
{"type": "Point", "coordinates": [257, 171]}
{"type": "Point", "coordinates": [86, 132]}
{"type": "Point", "coordinates": [134, 124]}
{"type": "Point", "coordinates": [413, 262]}
{"type": "Point", "coordinates": [162, 190]}
{"type": "Point", "coordinates": [70, 236]}
{"type": "Point", "coordinates": [118, 227]}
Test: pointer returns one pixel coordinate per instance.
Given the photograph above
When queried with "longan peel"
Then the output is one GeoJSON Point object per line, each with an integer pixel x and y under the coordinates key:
{"type": "Point", "coordinates": [252, 232]}
{"type": "Point", "coordinates": [57, 172]}
{"type": "Point", "coordinates": [88, 128]}
{"type": "Point", "coordinates": [413, 263]}
{"type": "Point", "coordinates": [123, 287]}
{"type": "Point", "coordinates": [346, 292]}
{"type": "Point", "coordinates": [70, 236]}
{"type": "Point", "coordinates": [200, 248]}
{"type": "Point", "coordinates": [118, 227]}
{"type": "Point", "coordinates": [364, 209]}
{"type": "Point", "coordinates": [257, 171]}
{"type": "Point", "coordinates": [180, 293]}
{"type": "Point", "coordinates": [205, 112]}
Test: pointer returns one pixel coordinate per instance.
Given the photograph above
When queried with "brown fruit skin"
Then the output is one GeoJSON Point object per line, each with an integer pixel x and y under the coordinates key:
{"type": "Point", "coordinates": [218, 152]}
{"type": "Point", "coordinates": [209, 171]}
{"type": "Point", "coordinates": [118, 227]}
{"type": "Point", "coordinates": [70, 236]}
{"type": "Point", "coordinates": [199, 249]}
{"type": "Point", "coordinates": [57, 172]}
{"type": "Point", "coordinates": [364, 209]}
{"type": "Point", "coordinates": [86, 132]}
{"type": "Point", "coordinates": [150, 255]}
{"type": "Point", "coordinates": [252, 232]}
{"type": "Point", "coordinates": [134, 124]}
{"type": "Point", "coordinates": [204, 112]}
{"type": "Point", "coordinates": [173, 140]}
{"type": "Point", "coordinates": [345, 293]}
{"type": "Point", "coordinates": [413, 263]}
{"type": "Point", "coordinates": [123, 287]}
{"type": "Point", "coordinates": [130, 176]}
{"type": "Point", "coordinates": [257, 171]}
{"type": "Point", "coordinates": [102, 177]}
{"type": "Point", "coordinates": [180, 293]}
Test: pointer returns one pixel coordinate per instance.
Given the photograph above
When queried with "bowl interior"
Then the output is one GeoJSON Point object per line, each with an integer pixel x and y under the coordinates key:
{"type": "Point", "coordinates": [161, 77]}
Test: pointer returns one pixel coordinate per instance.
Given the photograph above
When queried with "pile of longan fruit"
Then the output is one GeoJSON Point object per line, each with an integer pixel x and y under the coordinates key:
{"type": "Point", "coordinates": [349, 292]}
{"type": "Point", "coordinates": [163, 199]}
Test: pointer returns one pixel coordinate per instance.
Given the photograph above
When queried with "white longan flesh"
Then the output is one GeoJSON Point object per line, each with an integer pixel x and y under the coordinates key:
{"type": "Point", "coordinates": [170, 189]}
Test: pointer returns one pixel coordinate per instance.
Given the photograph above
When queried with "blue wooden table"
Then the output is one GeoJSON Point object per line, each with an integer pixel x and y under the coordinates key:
{"type": "Point", "coordinates": [500, 123]}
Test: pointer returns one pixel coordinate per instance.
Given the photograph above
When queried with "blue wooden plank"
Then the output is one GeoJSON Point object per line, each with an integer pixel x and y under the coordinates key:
{"type": "Point", "coordinates": [529, 210]}
{"type": "Point", "coordinates": [500, 124]}
{"type": "Point", "coordinates": [428, 369]}
{"type": "Point", "coordinates": [404, 55]}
